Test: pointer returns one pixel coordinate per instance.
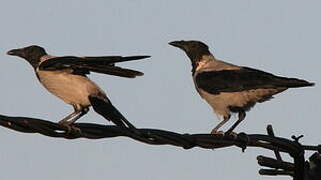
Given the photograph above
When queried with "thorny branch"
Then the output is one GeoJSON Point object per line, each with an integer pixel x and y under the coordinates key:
{"type": "Point", "coordinates": [187, 141]}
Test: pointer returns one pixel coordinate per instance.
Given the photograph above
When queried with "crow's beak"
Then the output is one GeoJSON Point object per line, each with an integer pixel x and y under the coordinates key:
{"type": "Point", "coordinates": [16, 52]}
{"type": "Point", "coordinates": [179, 44]}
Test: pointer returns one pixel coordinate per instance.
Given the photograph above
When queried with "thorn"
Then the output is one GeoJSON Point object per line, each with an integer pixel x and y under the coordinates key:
{"type": "Point", "coordinates": [296, 139]}
{"type": "Point", "coordinates": [246, 140]}
{"type": "Point", "coordinates": [243, 149]}
{"type": "Point", "coordinates": [270, 130]}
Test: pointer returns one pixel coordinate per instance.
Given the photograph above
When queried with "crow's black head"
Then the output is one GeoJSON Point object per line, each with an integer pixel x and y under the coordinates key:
{"type": "Point", "coordinates": [194, 50]}
{"type": "Point", "coordinates": [31, 53]}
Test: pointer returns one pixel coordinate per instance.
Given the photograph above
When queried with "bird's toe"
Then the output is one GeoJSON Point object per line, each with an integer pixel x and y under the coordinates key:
{"type": "Point", "coordinates": [214, 131]}
{"type": "Point", "coordinates": [234, 134]}
{"type": "Point", "coordinates": [70, 128]}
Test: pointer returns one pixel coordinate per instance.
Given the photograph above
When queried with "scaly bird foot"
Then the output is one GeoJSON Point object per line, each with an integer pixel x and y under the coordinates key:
{"type": "Point", "coordinates": [232, 134]}
{"type": "Point", "coordinates": [71, 129]}
{"type": "Point", "coordinates": [214, 131]}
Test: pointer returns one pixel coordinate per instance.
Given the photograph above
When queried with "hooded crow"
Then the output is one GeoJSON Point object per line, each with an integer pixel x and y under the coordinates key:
{"type": "Point", "coordinates": [66, 78]}
{"type": "Point", "coordinates": [229, 88]}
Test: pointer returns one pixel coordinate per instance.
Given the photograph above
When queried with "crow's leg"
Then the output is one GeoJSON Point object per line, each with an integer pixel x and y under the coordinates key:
{"type": "Point", "coordinates": [73, 117]}
{"type": "Point", "coordinates": [242, 115]}
{"type": "Point", "coordinates": [215, 130]}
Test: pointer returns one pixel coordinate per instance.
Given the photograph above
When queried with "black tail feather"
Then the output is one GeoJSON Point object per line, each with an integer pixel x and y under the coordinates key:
{"type": "Point", "coordinates": [296, 83]}
{"type": "Point", "coordinates": [109, 112]}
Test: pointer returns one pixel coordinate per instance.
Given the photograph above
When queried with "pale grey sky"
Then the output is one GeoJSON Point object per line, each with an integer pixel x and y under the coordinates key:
{"type": "Point", "coordinates": [282, 37]}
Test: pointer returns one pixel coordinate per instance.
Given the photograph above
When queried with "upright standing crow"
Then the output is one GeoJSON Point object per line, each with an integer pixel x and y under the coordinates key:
{"type": "Point", "coordinates": [229, 88]}
{"type": "Point", "coordinates": [65, 77]}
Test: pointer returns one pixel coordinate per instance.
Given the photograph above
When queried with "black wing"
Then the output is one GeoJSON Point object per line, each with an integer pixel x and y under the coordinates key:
{"type": "Point", "coordinates": [85, 65]}
{"type": "Point", "coordinates": [244, 79]}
